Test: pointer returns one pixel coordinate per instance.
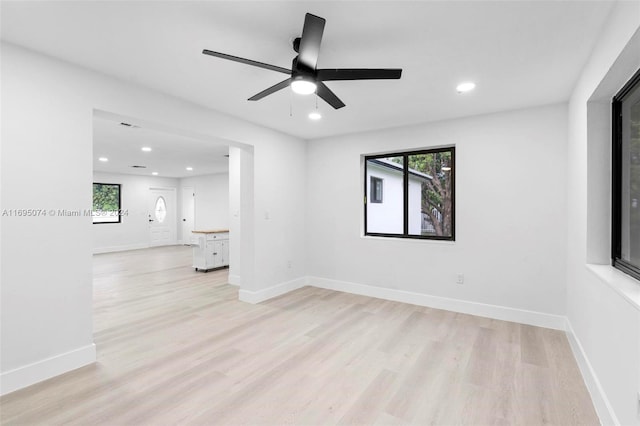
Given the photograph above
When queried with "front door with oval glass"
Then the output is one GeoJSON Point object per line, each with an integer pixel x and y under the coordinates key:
{"type": "Point", "coordinates": [162, 217]}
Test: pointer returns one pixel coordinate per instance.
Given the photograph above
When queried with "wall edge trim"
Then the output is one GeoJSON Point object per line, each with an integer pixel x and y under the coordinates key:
{"type": "Point", "coordinates": [113, 249]}
{"type": "Point", "coordinates": [47, 368]}
{"type": "Point", "coordinates": [598, 396]}
{"type": "Point", "coordinates": [271, 292]}
{"type": "Point", "coordinates": [234, 279]}
{"type": "Point", "coordinates": [538, 319]}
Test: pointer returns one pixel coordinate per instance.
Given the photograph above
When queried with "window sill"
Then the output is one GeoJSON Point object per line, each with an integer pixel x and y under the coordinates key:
{"type": "Point", "coordinates": [624, 285]}
{"type": "Point", "coordinates": [408, 240]}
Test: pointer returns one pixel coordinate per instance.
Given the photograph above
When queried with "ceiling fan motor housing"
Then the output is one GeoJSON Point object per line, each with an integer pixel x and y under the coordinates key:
{"type": "Point", "coordinates": [301, 72]}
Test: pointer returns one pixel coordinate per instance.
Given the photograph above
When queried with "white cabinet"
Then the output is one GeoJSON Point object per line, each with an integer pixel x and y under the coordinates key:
{"type": "Point", "coordinates": [210, 249]}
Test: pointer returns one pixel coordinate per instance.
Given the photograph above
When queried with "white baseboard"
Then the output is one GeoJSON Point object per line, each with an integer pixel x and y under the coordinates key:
{"type": "Point", "coordinates": [598, 396]}
{"type": "Point", "coordinates": [234, 279]}
{"type": "Point", "coordinates": [504, 313]}
{"type": "Point", "coordinates": [271, 292]}
{"type": "Point", "coordinates": [47, 368]}
{"type": "Point", "coordinates": [113, 249]}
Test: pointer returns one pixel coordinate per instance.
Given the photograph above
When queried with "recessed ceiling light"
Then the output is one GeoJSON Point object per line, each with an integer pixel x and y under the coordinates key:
{"type": "Point", "coordinates": [303, 87]}
{"type": "Point", "coordinates": [465, 87]}
{"type": "Point", "coordinates": [154, 173]}
{"type": "Point", "coordinates": [103, 159]}
{"type": "Point", "coordinates": [315, 115]}
{"type": "Point", "coordinates": [189, 168]}
{"type": "Point", "coordinates": [146, 149]}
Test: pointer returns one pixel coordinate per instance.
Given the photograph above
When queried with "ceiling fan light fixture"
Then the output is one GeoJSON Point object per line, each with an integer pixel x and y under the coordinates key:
{"type": "Point", "coordinates": [465, 87]}
{"type": "Point", "coordinates": [303, 87]}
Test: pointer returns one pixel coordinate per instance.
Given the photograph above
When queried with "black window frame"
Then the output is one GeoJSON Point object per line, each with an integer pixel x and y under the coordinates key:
{"type": "Point", "coordinates": [119, 202]}
{"type": "Point", "coordinates": [405, 155]}
{"type": "Point", "coordinates": [373, 198]}
{"type": "Point", "coordinates": [616, 179]}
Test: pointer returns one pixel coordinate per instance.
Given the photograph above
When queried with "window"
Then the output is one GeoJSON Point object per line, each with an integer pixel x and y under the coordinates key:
{"type": "Point", "coordinates": [419, 190]}
{"type": "Point", "coordinates": [106, 203]}
{"type": "Point", "coordinates": [376, 190]}
{"type": "Point", "coordinates": [625, 242]}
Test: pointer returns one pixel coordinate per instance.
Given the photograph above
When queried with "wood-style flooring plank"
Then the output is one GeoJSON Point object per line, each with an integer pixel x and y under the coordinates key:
{"type": "Point", "coordinates": [176, 346]}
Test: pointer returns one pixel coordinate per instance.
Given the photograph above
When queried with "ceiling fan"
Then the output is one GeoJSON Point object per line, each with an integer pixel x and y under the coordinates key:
{"type": "Point", "coordinates": [305, 78]}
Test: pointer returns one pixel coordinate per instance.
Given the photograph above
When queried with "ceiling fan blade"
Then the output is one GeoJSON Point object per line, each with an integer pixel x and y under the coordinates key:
{"type": "Point", "coordinates": [328, 96]}
{"type": "Point", "coordinates": [246, 61]}
{"type": "Point", "coordinates": [271, 90]}
{"type": "Point", "coordinates": [359, 74]}
{"type": "Point", "coordinates": [310, 41]}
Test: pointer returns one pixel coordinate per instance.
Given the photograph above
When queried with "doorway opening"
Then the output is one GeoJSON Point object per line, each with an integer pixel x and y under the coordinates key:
{"type": "Point", "coordinates": [172, 183]}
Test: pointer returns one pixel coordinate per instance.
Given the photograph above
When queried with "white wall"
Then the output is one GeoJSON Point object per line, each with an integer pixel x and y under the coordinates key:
{"type": "Point", "coordinates": [212, 200]}
{"type": "Point", "coordinates": [604, 321]}
{"type": "Point", "coordinates": [510, 210]}
{"type": "Point", "coordinates": [279, 213]}
{"type": "Point", "coordinates": [236, 197]}
{"type": "Point", "coordinates": [133, 231]}
{"type": "Point", "coordinates": [47, 111]}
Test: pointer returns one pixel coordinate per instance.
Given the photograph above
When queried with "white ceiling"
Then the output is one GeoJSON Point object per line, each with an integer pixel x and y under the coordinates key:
{"type": "Point", "coordinates": [170, 154]}
{"type": "Point", "coordinates": [519, 53]}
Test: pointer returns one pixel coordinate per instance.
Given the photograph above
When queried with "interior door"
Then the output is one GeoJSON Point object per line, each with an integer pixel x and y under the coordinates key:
{"type": "Point", "coordinates": [162, 216]}
{"type": "Point", "coordinates": [188, 213]}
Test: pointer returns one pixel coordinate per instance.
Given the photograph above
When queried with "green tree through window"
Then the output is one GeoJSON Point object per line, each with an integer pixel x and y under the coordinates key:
{"type": "Point", "coordinates": [106, 203]}
{"type": "Point", "coordinates": [436, 192]}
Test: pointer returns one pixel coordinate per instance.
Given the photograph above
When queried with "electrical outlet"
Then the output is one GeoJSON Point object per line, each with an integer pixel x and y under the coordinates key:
{"type": "Point", "coordinates": [460, 279]}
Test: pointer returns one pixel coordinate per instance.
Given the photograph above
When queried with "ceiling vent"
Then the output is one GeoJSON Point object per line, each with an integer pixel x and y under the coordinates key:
{"type": "Point", "coordinates": [138, 167]}
{"type": "Point", "coordinates": [132, 126]}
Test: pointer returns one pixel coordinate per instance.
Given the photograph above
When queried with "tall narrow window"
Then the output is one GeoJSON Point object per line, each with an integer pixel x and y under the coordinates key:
{"type": "Point", "coordinates": [626, 178]}
{"type": "Point", "coordinates": [419, 190]}
{"type": "Point", "coordinates": [376, 190]}
{"type": "Point", "coordinates": [106, 203]}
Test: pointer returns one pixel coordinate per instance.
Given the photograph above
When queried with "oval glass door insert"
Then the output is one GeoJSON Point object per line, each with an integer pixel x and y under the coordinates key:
{"type": "Point", "coordinates": [161, 209]}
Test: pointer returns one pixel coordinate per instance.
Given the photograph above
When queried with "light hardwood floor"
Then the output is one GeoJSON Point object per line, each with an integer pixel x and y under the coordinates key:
{"type": "Point", "coordinates": [176, 347]}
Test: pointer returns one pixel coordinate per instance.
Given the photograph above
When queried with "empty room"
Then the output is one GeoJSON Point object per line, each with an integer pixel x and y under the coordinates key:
{"type": "Point", "coordinates": [320, 212]}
